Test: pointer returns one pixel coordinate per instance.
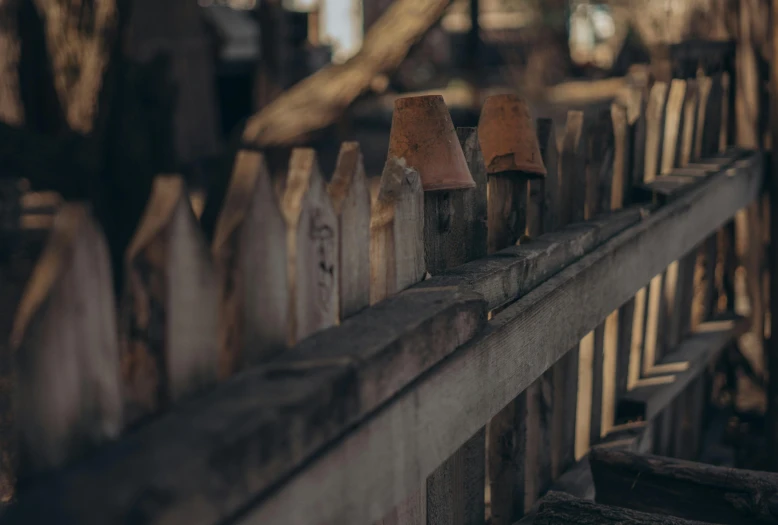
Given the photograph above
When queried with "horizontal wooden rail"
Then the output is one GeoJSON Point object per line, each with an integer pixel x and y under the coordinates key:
{"type": "Point", "coordinates": [219, 456]}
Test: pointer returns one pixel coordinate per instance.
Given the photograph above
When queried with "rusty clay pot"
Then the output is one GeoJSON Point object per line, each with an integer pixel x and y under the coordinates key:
{"type": "Point", "coordinates": [509, 142]}
{"type": "Point", "coordinates": [424, 135]}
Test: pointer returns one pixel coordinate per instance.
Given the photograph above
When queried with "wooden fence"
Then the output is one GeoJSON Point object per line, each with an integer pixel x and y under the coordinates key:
{"type": "Point", "coordinates": [410, 356]}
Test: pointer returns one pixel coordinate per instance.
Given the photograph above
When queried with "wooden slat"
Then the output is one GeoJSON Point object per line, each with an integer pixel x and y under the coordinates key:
{"type": "Point", "coordinates": [350, 196]}
{"type": "Point", "coordinates": [249, 251]}
{"type": "Point", "coordinates": [396, 232]}
{"type": "Point", "coordinates": [368, 470]}
{"type": "Point", "coordinates": [455, 233]}
{"type": "Point", "coordinates": [397, 262]}
{"type": "Point", "coordinates": [684, 489]}
{"type": "Point", "coordinates": [64, 381]}
{"type": "Point", "coordinates": [572, 179]}
{"type": "Point", "coordinates": [169, 315]}
{"type": "Point", "coordinates": [312, 241]}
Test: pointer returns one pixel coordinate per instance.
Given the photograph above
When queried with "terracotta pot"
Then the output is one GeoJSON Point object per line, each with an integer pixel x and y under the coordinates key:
{"type": "Point", "coordinates": [424, 135]}
{"type": "Point", "coordinates": [509, 142]}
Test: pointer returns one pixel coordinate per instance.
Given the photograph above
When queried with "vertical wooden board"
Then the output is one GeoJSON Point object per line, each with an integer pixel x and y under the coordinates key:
{"type": "Point", "coordinates": [616, 348]}
{"type": "Point", "coordinates": [507, 433]}
{"type": "Point", "coordinates": [689, 124]}
{"type": "Point", "coordinates": [672, 124]}
{"type": "Point", "coordinates": [704, 86]}
{"type": "Point", "coordinates": [396, 231]}
{"type": "Point", "coordinates": [565, 371]}
{"type": "Point", "coordinates": [506, 451]}
{"type": "Point", "coordinates": [572, 174]}
{"type": "Point", "coordinates": [350, 196]}
{"type": "Point", "coordinates": [66, 388]}
{"type": "Point", "coordinates": [583, 412]}
{"type": "Point", "coordinates": [651, 347]}
{"type": "Point", "coordinates": [169, 313]}
{"type": "Point", "coordinates": [637, 341]}
{"type": "Point", "coordinates": [724, 138]}
{"type": "Point", "coordinates": [397, 262]}
{"type": "Point", "coordinates": [192, 313]}
{"type": "Point", "coordinates": [312, 248]}
{"type": "Point", "coordinates": [655, 113]}
{"type": "Point", "coordinates": [539, 395]}
{"type": "Point", "coordinates": [507, 211]}
{"type": "Point", "coordinates": [711, 133]}
{"type": "Point", "coordinates": [455, 221]}
{"type": "Point", "coordinates": [551, 184]}
{"type": "Point", "coordinates": [638, 129]}
{"type": "Point", "coordinates": [748, 88]}
{"type": "Point", "coordinates": [249, 252]}
{"type": "Point", "coordinates": [455, 233]}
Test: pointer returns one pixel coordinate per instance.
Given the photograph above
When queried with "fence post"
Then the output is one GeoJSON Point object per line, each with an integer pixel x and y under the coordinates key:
{"type": "Point", "coordinates": [506, 130]}
{"type": "Point", "coordinates": [169, 312]}
{"type": "Point", "coordinates": [350, 196]}
{"type": "Point", "coordinates": [66, 387]}
{"type": "Point", "coordinates": [249, 251]}
{"type": "Point", "coordinates": [455, 233]}
{"type": "Point", "coordinates": [397, 262]}
{"type": "Point", "coordinates": [311, 248]}
{"type": "Point", "coordinates": [565, 371]}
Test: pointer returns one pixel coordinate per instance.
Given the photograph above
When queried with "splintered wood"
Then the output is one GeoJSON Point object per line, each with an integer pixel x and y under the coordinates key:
{"type": "Point", "coordinates": [250, 256]}
{"type": "Point", "coordinates": [66, 352]}
{"type": "Point", "coordinates": [169, 311]}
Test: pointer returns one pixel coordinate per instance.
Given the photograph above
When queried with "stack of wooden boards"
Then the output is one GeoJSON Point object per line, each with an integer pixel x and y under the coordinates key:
{"type": "Point", "coordinates": [656, 490]}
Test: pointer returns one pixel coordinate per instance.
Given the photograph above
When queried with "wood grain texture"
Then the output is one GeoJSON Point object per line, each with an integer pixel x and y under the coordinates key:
{"type": "Point", "coordinates": [65, 379]}
{"type": "Point", "coordinates": [169, 313]}
{"type": "Point", "coordinates": [684, 489]}
{"type": "Point", "coordinates": [311, 248]}
{"type": "Point", "coordinates": [249, 251]}
{"type": "Point", "coordinates": [350, 196]}
{"type": "Point", "coordinates": [370, 467]}
{"type": "Point", "coordinates": [558, 509]}
{"type": "Point", "coordinates": [572, 177]}
{"type": "Point", "coordinates": [396, 232]}
{"type": "Point", "coordinates": [455, 233]}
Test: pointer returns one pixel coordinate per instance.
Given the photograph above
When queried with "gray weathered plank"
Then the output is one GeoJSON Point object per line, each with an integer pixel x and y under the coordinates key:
{"type": "Point", "coordinates": [455, 233]}
{"type": "Point", "coordinates": [560, 509]}
{"type": "Point", "coordinates": [684, 489]}
{"type": "Point", "coordinates": [249, 252]}
{"type": "Point", "coordinates": [350, 196]}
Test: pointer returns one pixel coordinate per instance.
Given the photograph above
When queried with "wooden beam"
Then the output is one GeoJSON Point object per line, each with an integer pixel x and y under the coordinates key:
{"type": "Point", "coordinates": [207, 478]}
{"type": "Point", "coordinates": [684, 489]}
{"type": "Point", "coordinates": [561, 509]}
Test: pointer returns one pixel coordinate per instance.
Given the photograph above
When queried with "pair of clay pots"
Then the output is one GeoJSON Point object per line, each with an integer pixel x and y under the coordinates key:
{"type": "Point", "coordinates": [424, 135]}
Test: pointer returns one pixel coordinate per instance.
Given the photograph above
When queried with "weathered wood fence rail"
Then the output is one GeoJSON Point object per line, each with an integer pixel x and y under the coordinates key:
{"type": "Point", "coordinates": [570, 301]}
